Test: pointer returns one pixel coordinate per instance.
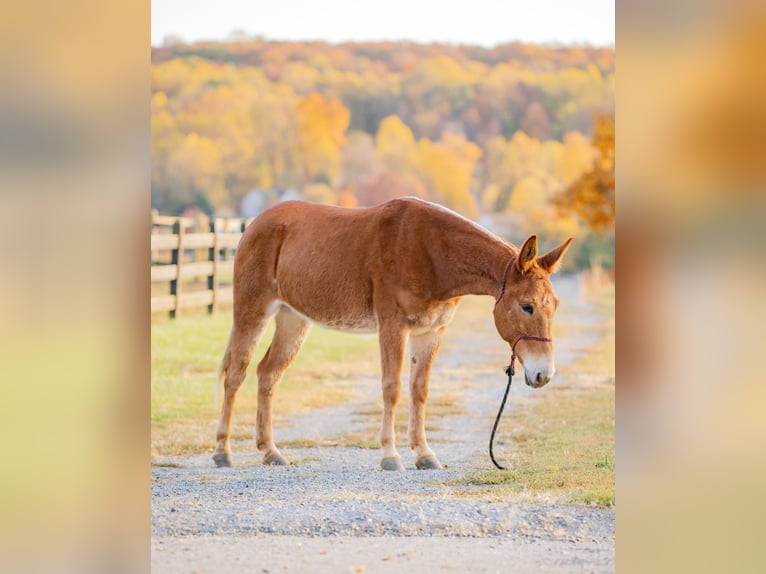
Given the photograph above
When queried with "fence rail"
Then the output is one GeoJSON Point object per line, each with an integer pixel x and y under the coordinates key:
{"type": "Point", "coordinates": [194, 258]}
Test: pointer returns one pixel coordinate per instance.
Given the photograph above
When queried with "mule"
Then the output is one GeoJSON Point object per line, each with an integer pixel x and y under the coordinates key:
{"type": "Point", "coordinates": [398, 269]}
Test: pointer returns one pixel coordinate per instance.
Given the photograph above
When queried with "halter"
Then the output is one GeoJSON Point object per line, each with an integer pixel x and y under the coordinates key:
{"type": "Point", "coordinates": [505, 274]}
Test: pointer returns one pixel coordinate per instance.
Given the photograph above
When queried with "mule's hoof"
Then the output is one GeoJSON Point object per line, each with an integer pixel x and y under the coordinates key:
{"type": "Point", "coordinates": [428, 462]}
{"type": "Point", "coordinates": [222, 460]}
{"type": "Point", "coordinates": [275, 459]}
{"type": "Point", "coordinates": [391, 463]}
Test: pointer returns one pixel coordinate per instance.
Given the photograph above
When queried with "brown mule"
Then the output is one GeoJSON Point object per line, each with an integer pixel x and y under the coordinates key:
{"type": "Point", "coordinates": [398, 269]}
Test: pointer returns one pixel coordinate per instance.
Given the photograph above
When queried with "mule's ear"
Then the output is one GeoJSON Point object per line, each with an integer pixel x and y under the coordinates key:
{"type": "Point", "coordinates": [527, 254]}
{"type": "Point", "coordinates": [551, 259]}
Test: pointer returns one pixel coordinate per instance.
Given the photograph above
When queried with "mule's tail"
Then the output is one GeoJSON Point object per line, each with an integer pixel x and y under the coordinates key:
{"type": "Point", "coordinates": [223, 369]}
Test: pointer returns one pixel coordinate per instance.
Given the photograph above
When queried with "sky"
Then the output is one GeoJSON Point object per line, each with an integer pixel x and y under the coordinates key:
{"type": "Point", "coordinates": [482, 22]}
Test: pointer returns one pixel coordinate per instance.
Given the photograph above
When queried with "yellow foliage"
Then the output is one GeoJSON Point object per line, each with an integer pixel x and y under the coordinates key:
{"type": "Point", "coordinates": [591, 195]}
{"type": "Point", "coordinates": [443, 71]}
{"type": "Point", "coordinates": [558, 227]}
{"type": "Point", "coordinates": [302, 77]}
{"type": "Point", "coordinates": [510, 162]}
{"type": "Point", "coordinates": [195, 166]}
{"type": "Point", "coordinates": [527, 195]}
{"type": "Point", "coordinates": [448, 167]}
{"type": "Point", "coordinates": [159, 102]}
{"type": "Point", "coordinates": [396, 146]}
{"type": "Point", "coordinates": [320, 193]}
{"type": "Point", "coordinates": [577, 157]}
{"type": "Point", "coordinates": [321, 125]}
{"type": "Point", "coordinates": [489, 197]}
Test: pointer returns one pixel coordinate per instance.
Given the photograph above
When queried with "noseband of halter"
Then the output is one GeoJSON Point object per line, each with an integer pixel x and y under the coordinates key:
{"type": "Point", "coordinates": [510, 370]}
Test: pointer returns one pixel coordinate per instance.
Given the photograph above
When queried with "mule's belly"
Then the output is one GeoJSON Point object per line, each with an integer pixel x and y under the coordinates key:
{"type": "Point", "coordinates": [353, 323]}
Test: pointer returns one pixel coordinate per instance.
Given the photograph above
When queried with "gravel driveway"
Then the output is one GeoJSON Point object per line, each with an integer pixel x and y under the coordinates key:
{"type": "Point", "coordinates": [334, 510]}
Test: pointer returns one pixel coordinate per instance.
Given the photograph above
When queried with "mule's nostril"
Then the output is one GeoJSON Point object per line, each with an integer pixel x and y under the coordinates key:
{"type": "Point", "coordinates": [542, 380]}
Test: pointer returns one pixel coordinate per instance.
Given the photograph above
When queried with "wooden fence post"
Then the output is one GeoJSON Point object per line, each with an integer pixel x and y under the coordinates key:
{"type": "Point", "coordinates": [177, 259]}
{"type": "Point", "coordinates": [212, 279]}
{"type": "Point", "coordinates": [155, 213]}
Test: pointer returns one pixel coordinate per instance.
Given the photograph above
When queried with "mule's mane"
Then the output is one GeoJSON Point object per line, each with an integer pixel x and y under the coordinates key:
{"type": "Point", "coordinates": [472, 259]}
{"type": "Point", "coordinates": [483, 230]}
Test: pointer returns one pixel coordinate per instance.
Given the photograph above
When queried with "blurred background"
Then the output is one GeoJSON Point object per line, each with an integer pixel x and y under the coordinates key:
{"type": "Point", "coordinates": [521, 119]}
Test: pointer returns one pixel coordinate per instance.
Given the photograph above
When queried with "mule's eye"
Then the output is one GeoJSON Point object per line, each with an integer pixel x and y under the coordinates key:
{"type": "Point", "coordinates": [528, 309]}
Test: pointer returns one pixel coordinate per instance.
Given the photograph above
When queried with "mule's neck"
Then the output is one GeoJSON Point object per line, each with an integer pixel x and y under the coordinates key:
{"type": "Point", "coordinates": [473, 263]}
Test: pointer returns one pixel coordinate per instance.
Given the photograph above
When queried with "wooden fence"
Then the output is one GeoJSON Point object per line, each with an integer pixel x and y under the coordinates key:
{"type": "Point", "coordinates": [194, 258]}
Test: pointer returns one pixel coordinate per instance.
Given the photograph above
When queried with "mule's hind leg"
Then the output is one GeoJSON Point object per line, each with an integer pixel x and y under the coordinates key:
{"type": "Point", "coordinates": [392, 340]}
{"type": "Point", "coordinates": [424, 348]}
{"type": "Point", "coordinates": [289, 335]}
{"type": "Point", "coordinates": [245, 333]}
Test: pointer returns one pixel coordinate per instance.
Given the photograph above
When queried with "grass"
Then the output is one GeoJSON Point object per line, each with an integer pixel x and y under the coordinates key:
{"type": "Point", "coordinates": [185, 357]}
{"type": "Point", "coordinates": [565, 436]}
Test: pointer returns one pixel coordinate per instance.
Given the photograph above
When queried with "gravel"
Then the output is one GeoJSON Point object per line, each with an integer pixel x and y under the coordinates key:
{"type": "Point", "coordinates": [344, 494]}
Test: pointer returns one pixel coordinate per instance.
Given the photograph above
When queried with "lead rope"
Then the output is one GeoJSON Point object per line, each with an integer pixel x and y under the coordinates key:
{"type": "Point", "coordinates": [510, 371]}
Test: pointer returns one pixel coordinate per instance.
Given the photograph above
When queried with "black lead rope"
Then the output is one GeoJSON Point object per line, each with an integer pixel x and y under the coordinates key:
{"type": "Point", "coordinates": [510, 371]}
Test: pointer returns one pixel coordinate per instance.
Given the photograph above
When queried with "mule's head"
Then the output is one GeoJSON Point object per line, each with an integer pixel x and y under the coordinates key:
{"type": "Point", "coordinates": [525, 308]}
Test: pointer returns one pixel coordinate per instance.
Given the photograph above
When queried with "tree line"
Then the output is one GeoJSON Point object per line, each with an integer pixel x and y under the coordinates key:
{"type": "Point", "coordinates": [516, 130]}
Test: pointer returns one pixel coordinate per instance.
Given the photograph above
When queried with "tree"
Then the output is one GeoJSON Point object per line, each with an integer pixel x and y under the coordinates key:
{"type": "Point", "coordinates": [321, 125]}
{"type": "Point", "coordinates": [396, 146]}
{"type": "Point", "coordinates": [535, 121]}
{"type": "Point", "coordinates": [447, 167]}
{"type": "Point", "coordinates": [359, 160]}
{"type": "Point", "coordinates": [508, 162]}
{"type": "Point", "coordinates": [194, 168]}
{"type": "Point", "coordinates": [591, 196]}
{"type": "Point", "coordinates": [576, 158]}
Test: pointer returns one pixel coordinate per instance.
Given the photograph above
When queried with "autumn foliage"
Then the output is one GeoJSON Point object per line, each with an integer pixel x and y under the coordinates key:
{"type": "Point", "coordinates": [591, 195]}
{"type": "Point", "coordinates": [507, 131]}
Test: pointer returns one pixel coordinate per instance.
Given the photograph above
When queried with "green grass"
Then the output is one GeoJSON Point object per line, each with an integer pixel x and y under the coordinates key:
{"type": "Point", "coordinates": [186, 354]}
{"type": "Point", "coordinates": [564, 437]}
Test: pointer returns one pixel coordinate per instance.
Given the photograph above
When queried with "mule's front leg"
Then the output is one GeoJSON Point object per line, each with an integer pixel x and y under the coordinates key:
{"type": "Point", "coordinates": [392, 342]}
{"type": "Point", "coordinates": [424, 348]}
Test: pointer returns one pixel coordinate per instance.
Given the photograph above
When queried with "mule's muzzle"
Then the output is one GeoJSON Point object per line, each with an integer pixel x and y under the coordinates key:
{"type": "Point", "coordinates": [536, 381]}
